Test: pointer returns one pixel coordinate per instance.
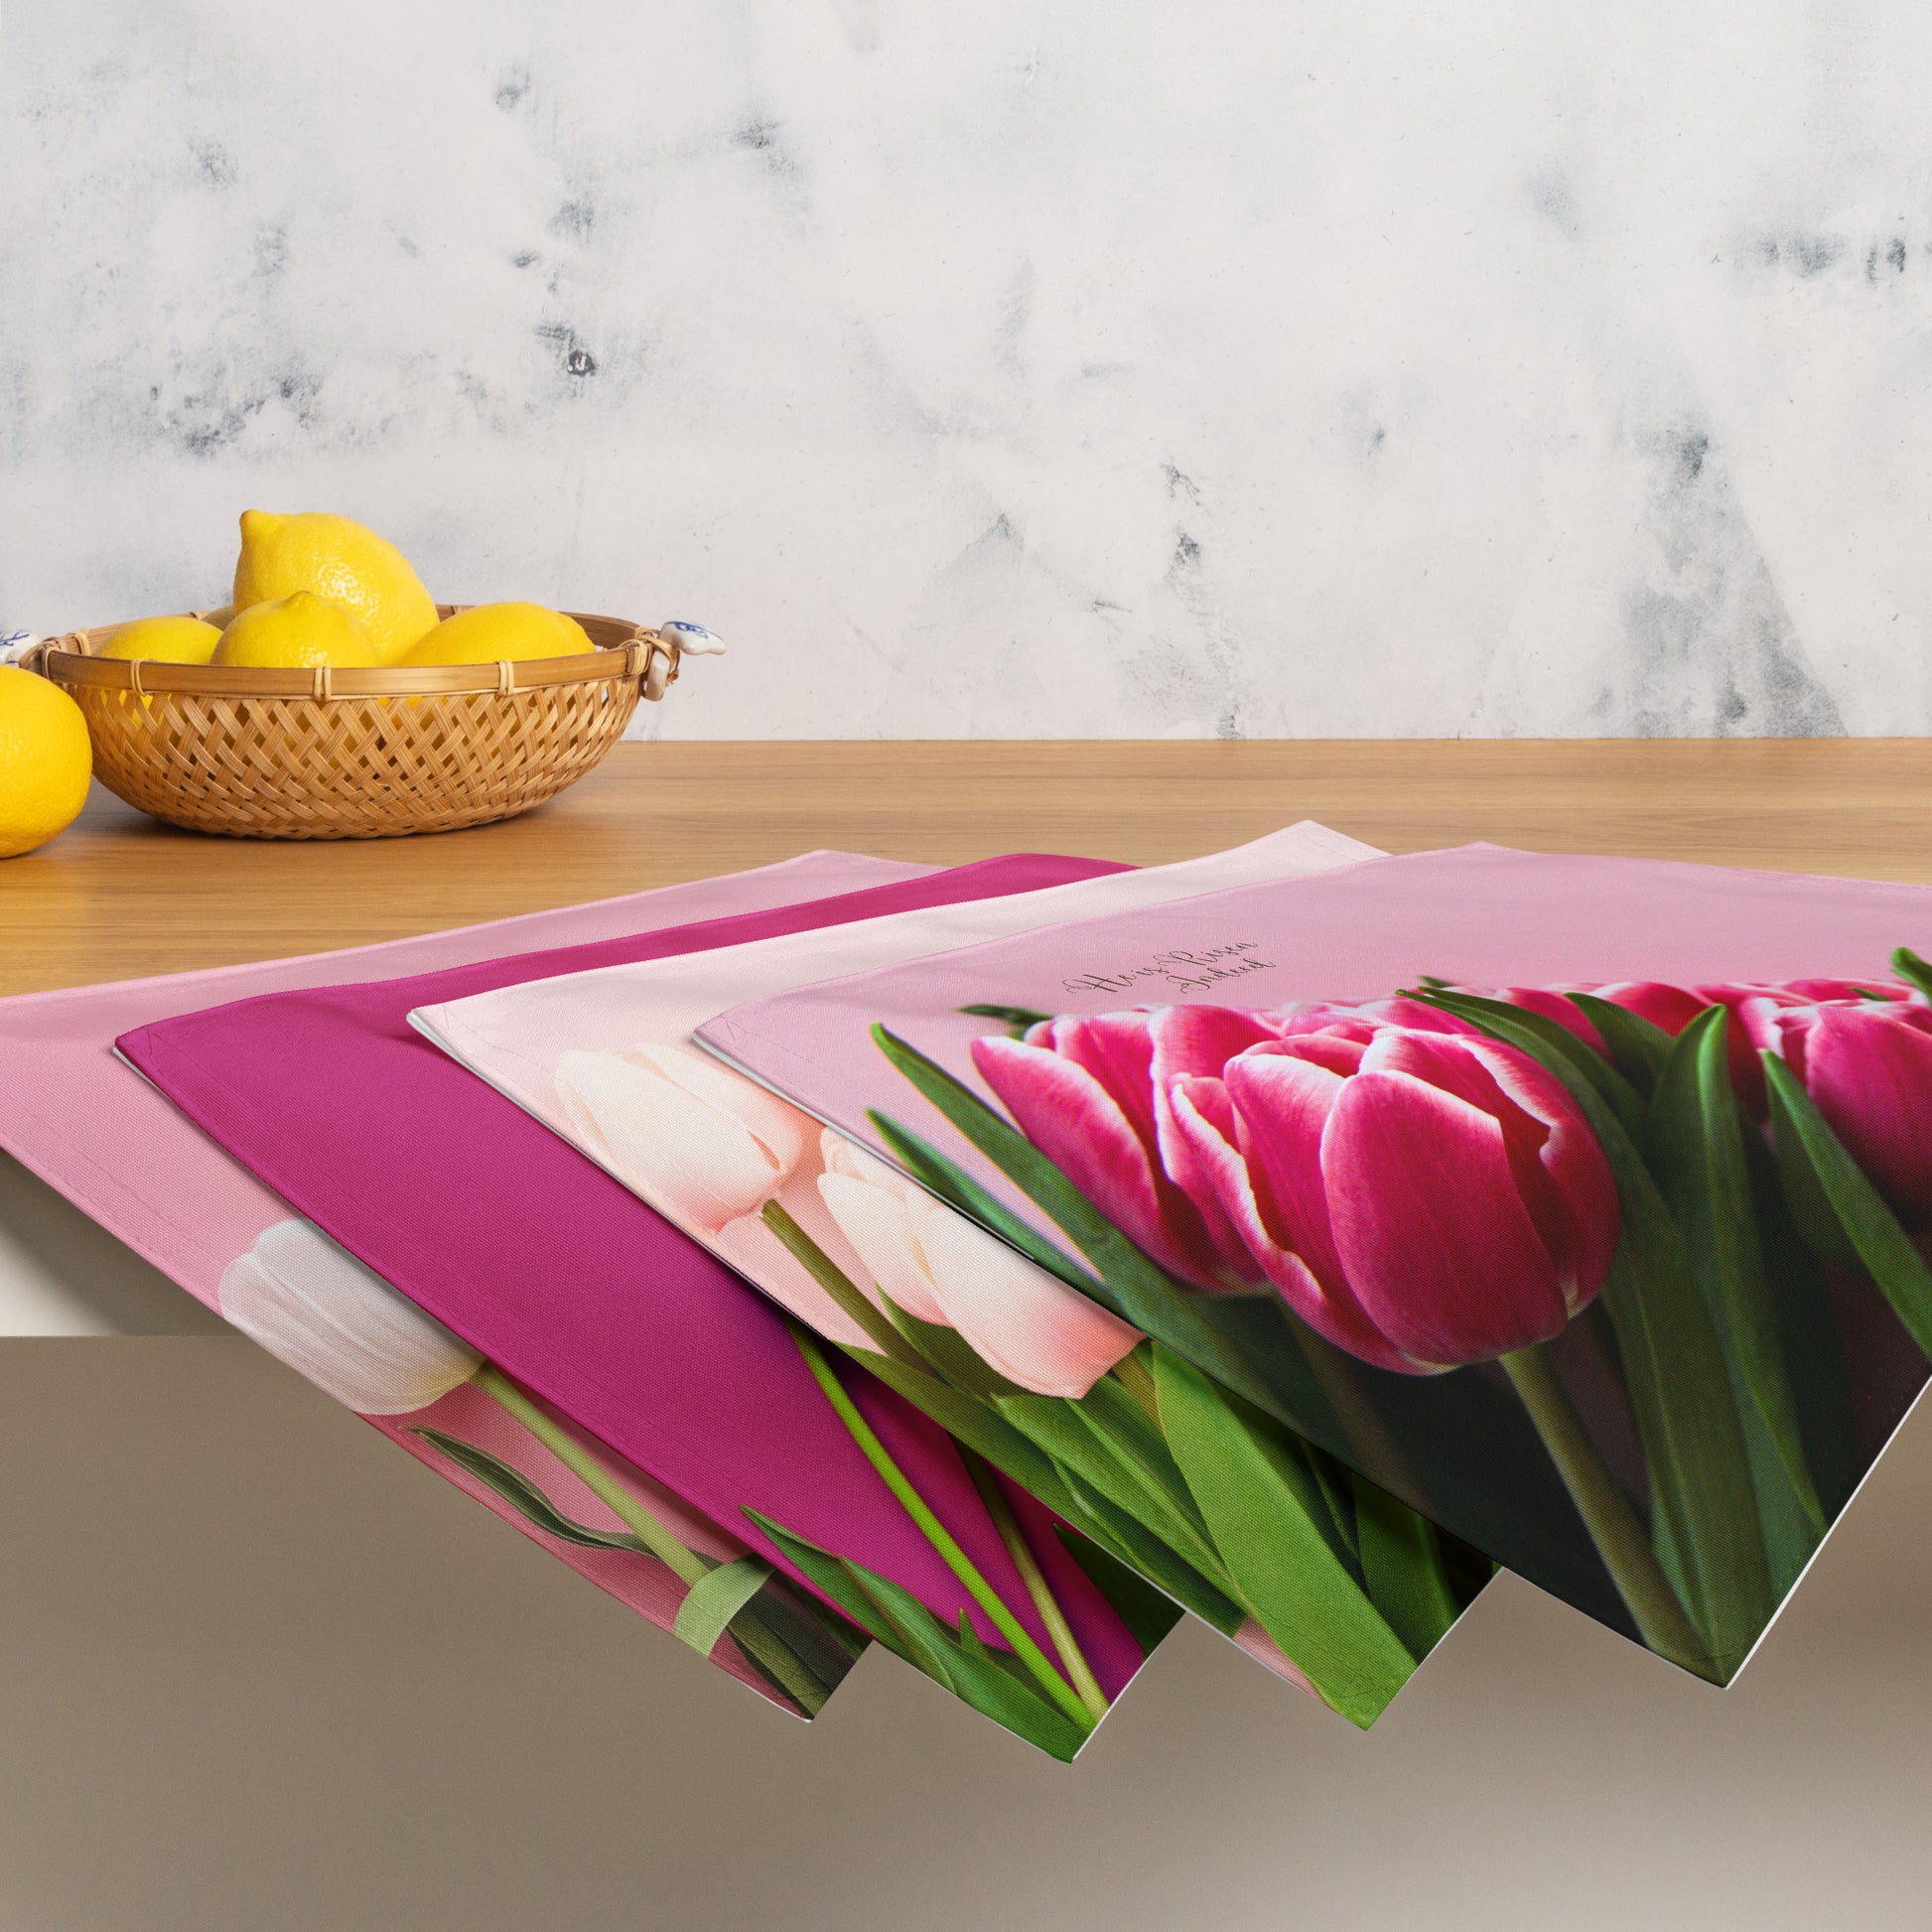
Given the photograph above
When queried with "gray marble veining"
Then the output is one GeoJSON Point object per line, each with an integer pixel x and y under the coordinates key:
{"type": "Point", "coordinates": [1022, 370]}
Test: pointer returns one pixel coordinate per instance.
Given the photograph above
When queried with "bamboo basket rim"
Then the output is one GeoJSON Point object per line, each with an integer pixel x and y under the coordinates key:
{"type": "Point", "coordinates": [634, 653]}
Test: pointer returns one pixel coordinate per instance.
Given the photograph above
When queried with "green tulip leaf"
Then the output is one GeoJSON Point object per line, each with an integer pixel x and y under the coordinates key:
{"type": "Point", "coordinates": [1148, 1613]}
{"type": "Point", "coordinates": [1868, 1225]}
{"type": "Point", "coordinates": [1283, 1566]}
{"type": "Point", "coordinates": [1639, 1048]}
{"type": "Point", "coordinates": [1809, 1205]}
{"type": "Point", "coordinates": [1908, 965]}
{"type": "Point", "coordinates": [1403, 1569]}
{"type": "Point", "coordinates": [1124, 1537]}
{"type": "Point", "coordinates": [1694, 1137]}
{"type": "Point", "coordinates": [982, 1678]}
{"type": "Point", "coordinates": [524, 1496]}
{"type": "Point", "coordinates": [1018, 1019]}
{"type": "Point", "coordinates": [715, 1598]}
{"type": "Point", "coordinates": [1150, 1493]}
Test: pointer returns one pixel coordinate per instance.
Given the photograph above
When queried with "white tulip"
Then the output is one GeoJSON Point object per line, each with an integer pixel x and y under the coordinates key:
{"type": "Point", "coordinates": [944, 1268]}
{"type": "Point", "coordinates": [696, 1140]}
{"type": "Point", "coordinates": [315, 1307]}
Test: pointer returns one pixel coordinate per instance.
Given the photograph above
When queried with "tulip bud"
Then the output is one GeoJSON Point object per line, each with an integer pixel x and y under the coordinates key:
{"type": "Point", "coordinates": [942, 1269]}
{"type": "Point", "coordinates": [315, 1307]}
{"type": "Point", "coordinates": [702, 1143]}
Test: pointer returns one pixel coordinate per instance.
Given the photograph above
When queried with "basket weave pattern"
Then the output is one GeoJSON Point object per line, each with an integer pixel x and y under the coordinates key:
{"type": "Point", "coordinates": [355, 754]}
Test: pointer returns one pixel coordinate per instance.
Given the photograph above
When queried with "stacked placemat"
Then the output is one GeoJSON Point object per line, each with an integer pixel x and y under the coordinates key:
{"type": "Point", "coordinates": [1000, 1263]}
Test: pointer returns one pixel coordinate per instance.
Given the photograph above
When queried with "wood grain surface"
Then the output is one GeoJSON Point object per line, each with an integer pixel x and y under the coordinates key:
{"type": "Point", "coordinates": [119, 895]}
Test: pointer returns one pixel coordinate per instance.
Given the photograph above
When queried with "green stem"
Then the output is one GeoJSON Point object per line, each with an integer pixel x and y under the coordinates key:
{"type": "Point", "coordinates": [1362, 1422]}
{"type": "Point", "coordinates": [768, 1651]}
{"type": "Point", "coordinates": [1607, 1513]}
{"type": "Point", "coordinates": [648, 1530]}
{"type": "Point", "coordinates": [839, 1287]}
{"type": "Point", "coordinates": [935, 1532]}
{"type": "Point", "coordinates": [1079, 1672]}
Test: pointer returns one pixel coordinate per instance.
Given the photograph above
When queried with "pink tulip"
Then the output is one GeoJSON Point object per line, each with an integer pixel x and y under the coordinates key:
{"type": "Point", "coordinates": [1421, 1197]}
{"type": "Point", "coordinates": [1869, 1067]}
{"type": "Point", "coordinates": [1864, 1052]}
{"type": "Point", "coordinates": [1092, 1096]}
{"type": "Point", "coordinates": [1779, 1017]}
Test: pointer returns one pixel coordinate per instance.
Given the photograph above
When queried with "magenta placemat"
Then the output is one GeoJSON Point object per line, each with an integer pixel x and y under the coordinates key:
{"type": "Point", "coordinates": [558, 1278]}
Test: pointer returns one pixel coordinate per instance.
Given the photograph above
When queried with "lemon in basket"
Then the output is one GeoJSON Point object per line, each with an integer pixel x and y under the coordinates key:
{"type": "Point", "coordinates": [165, 640]}
{"type": "Point", "coordinates": [486, 634]}
{"type": "Point", "coordinates": [45, 761]}
{"type": "Point", "coordinates": [342, 561]}
{"type": "Point", "coordinates": [297, 631]}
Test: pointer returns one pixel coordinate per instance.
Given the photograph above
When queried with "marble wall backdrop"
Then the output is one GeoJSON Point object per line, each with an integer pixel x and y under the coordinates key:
{"type": "Point", "coordinates": [1020, 369]}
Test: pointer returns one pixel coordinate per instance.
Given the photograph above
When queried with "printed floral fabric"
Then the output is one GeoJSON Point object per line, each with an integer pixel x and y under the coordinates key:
{"type": "Point", "coordinates": [1582, 1203]}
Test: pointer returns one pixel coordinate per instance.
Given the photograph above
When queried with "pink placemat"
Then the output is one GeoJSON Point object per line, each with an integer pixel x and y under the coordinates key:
{"type": "Point", "coordinates": [1629, 1294]}
{"type": "Point", "coordinates": [101, 1136]}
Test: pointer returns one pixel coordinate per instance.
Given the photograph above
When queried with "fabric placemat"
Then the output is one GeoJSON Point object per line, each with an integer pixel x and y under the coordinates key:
{"type": "Point", "coordinates": [561, 1281]}
{"type": "Point", "coordinates": [602, 1057]}
{"type": "Point", "coordinates": [1593, 1191]}
{"type": "Point", "coordinates": [74, 1114]}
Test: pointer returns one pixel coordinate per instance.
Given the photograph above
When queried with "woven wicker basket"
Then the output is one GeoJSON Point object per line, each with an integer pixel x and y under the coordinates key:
{"type": "Point", "coordinates": [354, 753]}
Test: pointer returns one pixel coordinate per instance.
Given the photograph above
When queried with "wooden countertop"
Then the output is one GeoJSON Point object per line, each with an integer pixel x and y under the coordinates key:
{"type": "Point", "coordinates": [119, 895]}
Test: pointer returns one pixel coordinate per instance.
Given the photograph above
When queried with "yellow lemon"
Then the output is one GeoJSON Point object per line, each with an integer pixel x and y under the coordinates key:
{"type": "Point", "coordinates": [342, 561]}
{"type": "Point", "coordinates": [165, 640]}
{"type": "Point", "coordinates": [301, 631]}
{"type": "Point", "coordinates": [45, 761]}
{"type": "Point", "coordinates": [222, 618]}
{"type": "Point", "coordinates": [489, 633]}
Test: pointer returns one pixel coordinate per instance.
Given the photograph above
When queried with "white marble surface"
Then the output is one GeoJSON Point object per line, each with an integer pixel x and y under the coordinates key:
{"type": "Point", "coordinates": [1016, 369]}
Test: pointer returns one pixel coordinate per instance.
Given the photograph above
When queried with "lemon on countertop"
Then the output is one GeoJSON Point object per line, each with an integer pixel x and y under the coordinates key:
{"type": "Point", "coordinates": [45, 761]}
{"type": "Point", "coordinates": [342, 561]}
{"type": "Point", "coordinates": [300, 631]}
{"type": "Point", "coordinates": [165, 640]}
{"type": "Point", "coordinates": [486, 634]}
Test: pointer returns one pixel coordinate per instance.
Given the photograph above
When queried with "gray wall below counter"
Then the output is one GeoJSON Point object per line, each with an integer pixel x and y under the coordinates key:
{"type": "Point", "coordinates": [263, 1672]}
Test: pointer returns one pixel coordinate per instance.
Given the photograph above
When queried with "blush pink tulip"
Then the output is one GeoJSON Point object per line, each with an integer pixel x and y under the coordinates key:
{"type": "Point", "coordinates": [943, 1269]}
{"type": "Point", "coordinates": [1421, 1197]}
{"type": "Point", "coordinates": [701, 1143]}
